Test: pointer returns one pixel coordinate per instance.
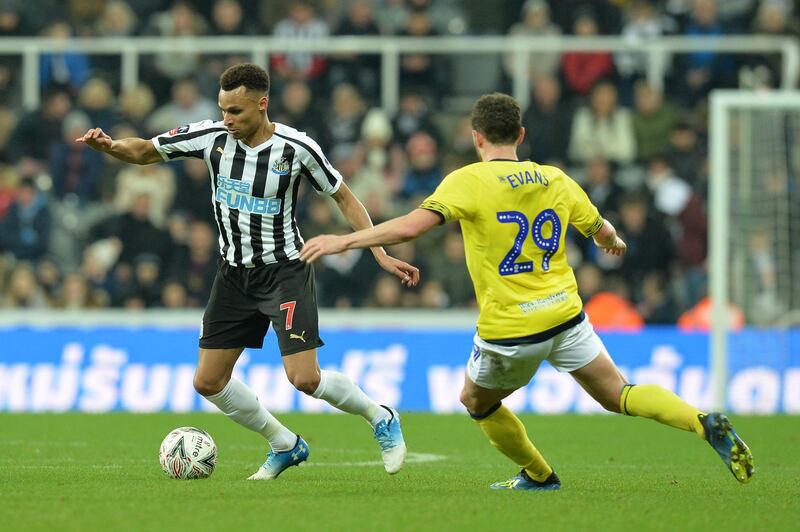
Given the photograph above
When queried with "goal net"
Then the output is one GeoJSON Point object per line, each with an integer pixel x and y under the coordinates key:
{"type": "Point", "coordinates": [754, 199]}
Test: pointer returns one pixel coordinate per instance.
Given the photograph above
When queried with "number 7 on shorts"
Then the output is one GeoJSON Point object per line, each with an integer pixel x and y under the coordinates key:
{"type": "Point", "coordinates": [289, 307]}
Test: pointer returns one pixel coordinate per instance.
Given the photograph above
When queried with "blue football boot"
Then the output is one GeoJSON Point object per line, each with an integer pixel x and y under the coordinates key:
{"type": "Point", "coordinates": [729, 446]}
{"type": "Point", "coordinates": [522, 481]}
{"type": "Point", "coordinates": [390, 437]}
{"type": "Point", "coordinates": [279, 461]}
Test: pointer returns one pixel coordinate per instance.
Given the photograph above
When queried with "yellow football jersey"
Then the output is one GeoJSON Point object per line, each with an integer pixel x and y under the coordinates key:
{"type": "Point", "coordinates": [514, 217]}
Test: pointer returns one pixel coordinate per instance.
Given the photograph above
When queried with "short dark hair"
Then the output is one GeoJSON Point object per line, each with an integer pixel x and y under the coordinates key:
{"type": "Point", "coordinates": [497, 117]}
{"type": "Point", "coordinates": [251, 76]}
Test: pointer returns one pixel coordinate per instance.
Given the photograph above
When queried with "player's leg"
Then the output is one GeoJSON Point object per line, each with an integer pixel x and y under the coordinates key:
{"type": "Point", "coordinates": [602, 380]}
{"type": "Point", "coordinates": [235, 399]}
{"type": "Point", "coordinates": [333, 387]}
{"type": "Point", "coordinates": [494, 373]}
{"type": "Point", "coordinates": [232, 319]}
{"type": "Point", "coordinates": [292, 308]}
{"type": "Point", "coordinates": [338, 390]}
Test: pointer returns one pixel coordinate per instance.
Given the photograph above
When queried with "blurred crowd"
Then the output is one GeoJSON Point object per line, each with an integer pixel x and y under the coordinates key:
{"type": "Point", "coordinates": [81, 230]}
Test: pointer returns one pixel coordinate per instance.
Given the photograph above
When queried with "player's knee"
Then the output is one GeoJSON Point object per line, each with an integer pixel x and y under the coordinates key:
{"type": "Point", "coordinates": [206, 386]}
{"type": "Point", "coordinates": [472, 402]}
{"type": "Point", "coordinates": [307, 384]}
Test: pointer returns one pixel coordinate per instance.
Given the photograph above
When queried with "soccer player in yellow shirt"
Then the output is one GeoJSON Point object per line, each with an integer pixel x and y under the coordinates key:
{"type": "Point", "coordinates": [514, 216]}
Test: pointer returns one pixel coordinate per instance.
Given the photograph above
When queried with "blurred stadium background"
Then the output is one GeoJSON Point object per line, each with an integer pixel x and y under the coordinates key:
{"type": "Point", "coordinates": [105, 267]}
{"type": "Point", "coordinates": [679, 117]}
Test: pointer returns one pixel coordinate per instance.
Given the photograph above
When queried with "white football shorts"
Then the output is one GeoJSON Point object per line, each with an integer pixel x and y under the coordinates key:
{"type": "Point", "coordinates": [501, 367]}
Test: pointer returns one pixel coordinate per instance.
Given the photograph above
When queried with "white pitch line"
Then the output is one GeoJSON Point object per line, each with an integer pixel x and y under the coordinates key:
{"type": "Point", "coordinates": [411, 458]}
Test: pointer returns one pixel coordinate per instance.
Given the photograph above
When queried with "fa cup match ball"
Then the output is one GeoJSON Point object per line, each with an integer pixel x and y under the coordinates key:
{"type": "Point", "coordinates": [188, 452]}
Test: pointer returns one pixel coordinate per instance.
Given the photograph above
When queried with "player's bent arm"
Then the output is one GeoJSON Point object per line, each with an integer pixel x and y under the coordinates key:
{"type": "Point", "coordinates": [608, 239]}
{"type": "Point", "coordinates": [354, 212]}
{"type": "Point", "coordinates": [134, 150]}
{"type": "Point", "coordinates": [131, 150]}
{"type": "Point", "coordinates": [394, 231]}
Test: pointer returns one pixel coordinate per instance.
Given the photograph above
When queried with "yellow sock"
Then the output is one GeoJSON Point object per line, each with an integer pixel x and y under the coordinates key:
{"type": "Point", "coordinates": [654, 402]}
{"type": "Point", "coordinates": [507, 434]}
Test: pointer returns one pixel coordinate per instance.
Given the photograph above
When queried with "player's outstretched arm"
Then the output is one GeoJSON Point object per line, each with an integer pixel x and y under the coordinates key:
{"type": "Point", "coordinates": [607, 239]}
{"type": "Point", "coordinates": [358, 217]}
{"type": "Point", "coordinates": [131, 150]}
{"type": "Point", "coordinates": [401, 229]}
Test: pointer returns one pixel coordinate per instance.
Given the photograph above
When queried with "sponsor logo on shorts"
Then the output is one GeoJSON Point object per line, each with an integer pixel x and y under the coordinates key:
{"type": "Point", "coordinates": [301, 336]}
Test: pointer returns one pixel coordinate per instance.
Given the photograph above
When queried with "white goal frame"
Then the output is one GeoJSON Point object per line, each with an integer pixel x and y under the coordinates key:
{"type": "Point", "coordinates": [722, 103]}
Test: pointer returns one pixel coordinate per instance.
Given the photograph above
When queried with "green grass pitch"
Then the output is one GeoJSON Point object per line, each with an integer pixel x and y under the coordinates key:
{"type": "Point", "coordinates": [101, 472]}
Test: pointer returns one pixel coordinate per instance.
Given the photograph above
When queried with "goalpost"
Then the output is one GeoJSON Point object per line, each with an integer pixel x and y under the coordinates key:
{"type": "Point", "coordinates": [754, 215]}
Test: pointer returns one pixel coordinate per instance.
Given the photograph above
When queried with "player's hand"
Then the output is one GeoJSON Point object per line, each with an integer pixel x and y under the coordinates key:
{"type": "Point", "coordinates": [618, 248]}
{"type": "Point", "coordinates": [321, 245]}
{"type": "Point", "coordinates": [408, 274]}
{"type": "Point", "coordinates": [96, 139]}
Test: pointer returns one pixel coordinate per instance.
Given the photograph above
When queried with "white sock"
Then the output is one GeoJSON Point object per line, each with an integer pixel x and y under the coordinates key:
{"type": "Point", "coordinates": [240, 403]}
{"type": "Point", "coordinates": [341, 392]}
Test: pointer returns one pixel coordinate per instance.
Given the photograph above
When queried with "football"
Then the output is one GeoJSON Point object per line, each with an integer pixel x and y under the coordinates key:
{"type": "Point", "coordinates": [188, 453]}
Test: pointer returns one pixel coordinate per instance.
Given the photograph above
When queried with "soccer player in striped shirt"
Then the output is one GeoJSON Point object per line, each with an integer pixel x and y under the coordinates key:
{"type": "Point", "coordinates": [256, 167]}
{"type": "Point", "coordinates": [514, 215]}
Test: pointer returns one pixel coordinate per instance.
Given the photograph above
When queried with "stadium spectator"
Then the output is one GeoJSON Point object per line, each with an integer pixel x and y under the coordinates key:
{"type": "Point", "coordinates": [173, 295]}
{"type": "Point", "coordinates": [362, 70]}
{"type": "Point", "coordinates": [297, 110]}
{"type": "Point", "coordinates": [49, 277]}
{"type": "Point", "coordinates": [180, 20]}
{"type": "Point", "coordinates": [137, 233]}
{"type": "Point", "coordinates": [700, 71]}
{"type": "Point", "coordinates": [66, 70]}
{"type": "Point", "coordinates": [157, 182]}
{"type": "Point", "coordinates": [38, 130]}
{"type": "Point", "coordinates": [346, 115]}
{"type": "Point", "coordinates": [657, 306]}
{"type": "Point", "coordinates": [686, 155]}
{"type": "Point", "coordinates": [764, 71]}
{"type": "Point", "coordinates": [193, 190]}
{"type": "Point", "coordinates": [22, 290]}
{"type": "Point", "coordinates": [602, 189]}
{"type": "Point", "coordinates": [25, 230]}
{"type": "Point", "coordinates": [698, 318]}
{"type": "Point", "coordinates": [548, 122]}
{"type": "Point", "coordinates": [590, 281]}
{"type": "Point", "coordinates": [301, 24]}
{"type": "Point", "coordinates": [611, 309]}
{"type": "Point", "coordinates": [424, 170]}
{"type": "Point", "coordinates": [582, 70]}
{"type": "Point", "coordinates": [116, 20]}
{"type": "Point", "coordinates": [228, 19]}
{"type": "Point", "coordinates": [186, 106]}
{"type": "Point", "coordinates": [96, 99]}
{"type": "Point", "coordinates": [675, 199]}
{"type": "Point", "coordinates": [652, 121]}
{"type": "Point", "coordinates": [535, 23]}
{"type": "Point", "coordinates": [423, 73]}
{"type": "Point", "coordinates": [76, 294]}
{"type": "Point", "coordinates": [650, 246]}
{"type": "Point", "coordinates": [136, 105]}
{"type": "Point", "coordinates": [644, 23]}
{"type": "Point", "coordinates": [75, 169]}
{"type": "Point", "coordinates": [198, 265]}
{"type": "Point", "coordinates": [449, 269]}
{"type": "Point", "coordinates": [381, 163]}
{"type": "Point", "coordinates": [603, 129]}
{"type": "Point", "coordinates": [414, 114]}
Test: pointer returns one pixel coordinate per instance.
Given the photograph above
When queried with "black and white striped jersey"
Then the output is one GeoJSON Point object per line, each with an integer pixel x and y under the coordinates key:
{"type": "Point", "coordinates": [254, 190]}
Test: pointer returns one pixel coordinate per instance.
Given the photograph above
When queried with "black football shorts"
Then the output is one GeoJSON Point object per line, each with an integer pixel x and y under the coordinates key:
{"type": "Point", "coordinates": [244, 301]}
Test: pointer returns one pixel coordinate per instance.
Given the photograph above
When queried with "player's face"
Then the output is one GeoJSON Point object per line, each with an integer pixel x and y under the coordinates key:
{"type": "Point", "coordinates": [243, 112]}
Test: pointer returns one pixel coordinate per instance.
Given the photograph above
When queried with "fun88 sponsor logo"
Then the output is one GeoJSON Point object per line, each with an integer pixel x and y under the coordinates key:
{"type": "Point", "coordinates": [236, 195]}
